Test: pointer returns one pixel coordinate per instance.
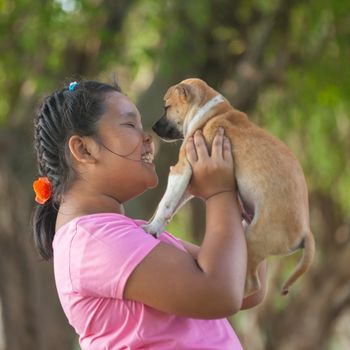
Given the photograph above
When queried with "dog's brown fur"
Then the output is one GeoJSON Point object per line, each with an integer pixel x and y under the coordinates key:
{"type": "Point", "coordinates": [269, 178]}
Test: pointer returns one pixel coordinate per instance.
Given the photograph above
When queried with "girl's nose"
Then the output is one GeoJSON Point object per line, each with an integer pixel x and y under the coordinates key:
{"type": "Point", "coordinates": [148, 138]}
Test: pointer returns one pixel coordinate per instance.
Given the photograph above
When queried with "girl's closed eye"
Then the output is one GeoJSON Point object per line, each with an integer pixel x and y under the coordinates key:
{"type": "Point", "coordinates": [134, 126]}
{"type": "Point", "coordinates": [130, 124]}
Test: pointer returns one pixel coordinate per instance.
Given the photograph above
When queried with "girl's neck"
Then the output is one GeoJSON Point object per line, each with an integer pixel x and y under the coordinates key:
{"type": "Point", "coordinates": [75, 204]}
{"type": "Point", "coordinates": [91, 203]}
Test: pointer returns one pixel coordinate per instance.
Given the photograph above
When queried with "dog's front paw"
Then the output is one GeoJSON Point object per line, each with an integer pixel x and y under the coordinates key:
{"type": "Point", "coordinates": [153, 228]}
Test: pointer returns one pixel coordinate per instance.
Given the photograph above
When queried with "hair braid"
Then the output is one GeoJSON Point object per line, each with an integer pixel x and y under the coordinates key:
{"type": "Point", "coordinates": [61, 115]}
{"type": "Point", "coordinates": [47, 143]}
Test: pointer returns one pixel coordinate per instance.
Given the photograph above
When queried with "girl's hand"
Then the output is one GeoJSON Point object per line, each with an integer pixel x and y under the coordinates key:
{"type": "Point", "coordinates": [210, 174]}
{"type": "Point", "coordinates": [211, 285]}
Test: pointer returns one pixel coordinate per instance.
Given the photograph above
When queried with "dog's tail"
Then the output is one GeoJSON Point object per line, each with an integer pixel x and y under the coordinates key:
{"type": "Point", "coordinates": [304, 263]}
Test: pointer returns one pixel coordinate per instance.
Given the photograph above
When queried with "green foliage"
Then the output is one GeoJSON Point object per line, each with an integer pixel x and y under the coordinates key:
{"type": "Point", "coordinates": [45, 43]}
{"type": "Point", "coordinates": [312, 112]}
{"type": "Point", "coordinates": [40, 43]}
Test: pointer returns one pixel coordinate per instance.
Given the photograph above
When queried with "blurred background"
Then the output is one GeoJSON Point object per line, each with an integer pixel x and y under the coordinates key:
{"type": "Point", "coordinates": [284, 62]}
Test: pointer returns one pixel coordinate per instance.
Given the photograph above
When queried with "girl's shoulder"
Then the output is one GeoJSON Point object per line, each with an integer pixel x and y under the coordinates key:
{"type": "Point", "coordinates": [106, 229]}
{"type": "Point", "coordinates": [111, 229]}
{"type": "Point", "coordinates": [98, 220]}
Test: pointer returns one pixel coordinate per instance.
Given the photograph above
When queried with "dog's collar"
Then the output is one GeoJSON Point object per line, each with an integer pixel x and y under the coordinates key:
{"type": "Point", "coordinates": [201, 112]}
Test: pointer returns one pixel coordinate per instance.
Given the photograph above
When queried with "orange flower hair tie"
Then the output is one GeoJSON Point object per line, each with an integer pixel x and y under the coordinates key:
{"type": "Point", "coordinates": [43, 189]}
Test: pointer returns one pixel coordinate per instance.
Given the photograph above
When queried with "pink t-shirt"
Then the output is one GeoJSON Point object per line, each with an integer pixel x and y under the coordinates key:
{"type": "Point", "coordinates": [93, 257]}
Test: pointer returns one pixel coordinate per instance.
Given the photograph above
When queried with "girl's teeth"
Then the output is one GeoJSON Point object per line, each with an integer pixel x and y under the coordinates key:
{"type": "Point", "coordinates": [148, 158]}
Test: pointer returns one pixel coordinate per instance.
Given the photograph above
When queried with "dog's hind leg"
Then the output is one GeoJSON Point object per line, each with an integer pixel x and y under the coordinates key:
{"type": "Point", "coordinates": [256, 248]}
{"type": "Point", "coordinates": [174, 197]}
{"type": "Point", "coordinates": [252, 283]}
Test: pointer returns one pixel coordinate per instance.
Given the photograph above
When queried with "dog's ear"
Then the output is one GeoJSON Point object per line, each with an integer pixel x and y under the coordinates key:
{"type": "Point", "coordinates": [185, 91]}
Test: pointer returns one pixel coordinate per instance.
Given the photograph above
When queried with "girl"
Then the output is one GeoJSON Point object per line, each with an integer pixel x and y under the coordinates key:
{"type": "Point", "coordinates": [120, 287]}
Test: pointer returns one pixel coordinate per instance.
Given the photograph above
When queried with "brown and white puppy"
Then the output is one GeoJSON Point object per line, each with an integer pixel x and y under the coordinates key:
{"type": "Point", "coordinates": [270, 181]}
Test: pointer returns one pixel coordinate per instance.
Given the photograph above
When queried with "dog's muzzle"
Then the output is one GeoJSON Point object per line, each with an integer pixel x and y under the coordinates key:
{"type": "Point", "coordinates": [166, 130]}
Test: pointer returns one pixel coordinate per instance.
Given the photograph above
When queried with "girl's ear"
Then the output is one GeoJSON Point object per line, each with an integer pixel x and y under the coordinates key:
{"type": "Point", "coordinates": [83, 149]}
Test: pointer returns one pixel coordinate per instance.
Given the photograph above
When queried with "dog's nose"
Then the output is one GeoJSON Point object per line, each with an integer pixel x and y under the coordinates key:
{"type": "Point", "coordinates": [154, 126]}
{"type": "Point", "coordinates": [160, 126]}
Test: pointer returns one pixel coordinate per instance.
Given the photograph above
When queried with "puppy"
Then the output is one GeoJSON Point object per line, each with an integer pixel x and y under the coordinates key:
{"type": "Point", "coordinates": [270, 181]}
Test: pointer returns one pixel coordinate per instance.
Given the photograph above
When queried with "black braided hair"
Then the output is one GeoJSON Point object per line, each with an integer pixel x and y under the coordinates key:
{"type": "Point", "coordinates": [62, 114]}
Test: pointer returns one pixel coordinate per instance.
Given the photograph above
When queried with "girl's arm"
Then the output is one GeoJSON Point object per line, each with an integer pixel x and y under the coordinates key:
{"type": "Point", "coordinates": [193, 249]}
{"type": "Point", "coordinates": [212, 286]}
{"type": "Point", "coordinates": [250, 301]}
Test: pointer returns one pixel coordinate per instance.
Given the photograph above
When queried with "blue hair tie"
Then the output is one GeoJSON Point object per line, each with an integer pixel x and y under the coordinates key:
{"type": "Point", "coordinates": [72, 86]}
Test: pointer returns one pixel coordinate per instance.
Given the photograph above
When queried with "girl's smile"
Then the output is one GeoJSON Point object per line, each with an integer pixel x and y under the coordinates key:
{"type": "Point", "coordinates": [130, 149]}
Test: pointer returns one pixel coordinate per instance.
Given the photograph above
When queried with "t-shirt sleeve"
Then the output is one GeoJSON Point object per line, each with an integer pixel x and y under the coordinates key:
{"type": "Point", "coordinates": [104, 252]}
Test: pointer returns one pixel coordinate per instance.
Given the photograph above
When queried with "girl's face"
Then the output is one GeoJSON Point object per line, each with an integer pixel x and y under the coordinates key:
{"type": "Point", "coordinates": [126, 150]}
